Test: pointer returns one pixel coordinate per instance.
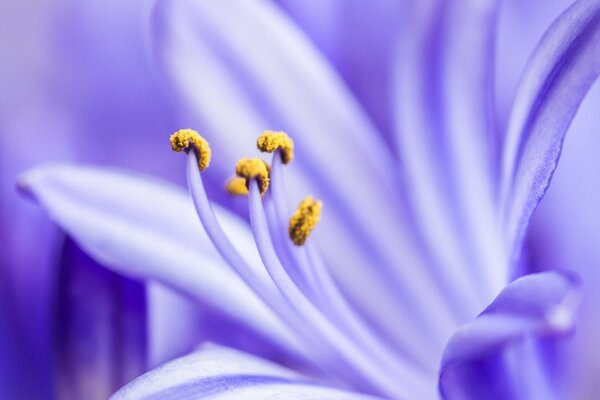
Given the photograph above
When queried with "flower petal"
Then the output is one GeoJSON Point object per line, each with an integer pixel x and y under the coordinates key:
{"type": "Point", "coordinates": [100, 327]}
{"type": "Point", "coordinates": [358, 39]}
{"type": "Point", "coordinates": [219, 372]}
{"type": "Point", "coordinates": [560, 73]}
{"type": "Point", "coordinates": [536, 306]}
{"type": "Point", "coordinates": [59, 59]}
{"type": "Point", "coordinates": [174, 324]}
{"type": "Point", "coordinates": [565, 230]}
{"type": "Point", "coordinates": [148, 229]}
{"type": "Point", "coordinates": [15, 376]}
{"type": "Point", "coordinates": [177, 324]}
{"type": "Point", "coordinates": [521, 25]}
{"type": "Point", "coordinates": [245, 59]}
{"type": "Point", "coordinates": [445, 142]}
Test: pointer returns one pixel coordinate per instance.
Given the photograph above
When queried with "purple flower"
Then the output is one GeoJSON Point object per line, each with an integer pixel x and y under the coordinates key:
{"type": "Point", "coordinates": [420, 239]}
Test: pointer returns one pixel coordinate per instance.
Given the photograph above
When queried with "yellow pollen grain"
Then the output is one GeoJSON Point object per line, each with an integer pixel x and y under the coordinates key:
{"type": "Point", "coordinates": [183, 139]}
{"type": "Point", "coordinates": [304, 220]}
{"type": "Point", "coordinates": [254, 168]}
{"type": "Point", "coordinates": [271, 141]}
{"type": "Point", "coordinates": [236, 187]}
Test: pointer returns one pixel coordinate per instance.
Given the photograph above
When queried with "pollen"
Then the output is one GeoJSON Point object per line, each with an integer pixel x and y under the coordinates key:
{"type": "Point", "coordinates": [271, 141]}
{"type": "Point", "coordinates": [304, 220]}
{"type": "Point", "coordinates": [236, 187]}
{"type": "Point", "coordinates": [183, 139]}
{"type": "Point", "coordinates": [254, 168]}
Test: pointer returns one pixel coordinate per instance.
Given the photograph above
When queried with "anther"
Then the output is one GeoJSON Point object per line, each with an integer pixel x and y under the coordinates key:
{"type": "Point", "coordinates": [254, 168]}
{"type": "Point", "coordinates": [304, 220]}
{"type": "Point", "coordinates": [183, 139]}
{"type": "Point", "coordinates": [236, 187]}
{"type": "Point", "coordinates": [271, 141]}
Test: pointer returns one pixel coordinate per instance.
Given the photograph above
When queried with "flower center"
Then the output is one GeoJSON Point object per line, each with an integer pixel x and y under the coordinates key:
{"type": "Point", "coordinates": [298, 287]}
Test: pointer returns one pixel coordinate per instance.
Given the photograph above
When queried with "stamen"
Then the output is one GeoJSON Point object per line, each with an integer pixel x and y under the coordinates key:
{"type": "Point", "coordinates": [183, 139]}
{"type": "Point", "coordinates": [383, 379]}
{"type": "Point", "coordinates": [304, 220]}
{"type": "Point", "coordinates": [271, 141]}
{"type": "Point", "coordinates": [262, 285]}
{"type": "Point", "coordinates": [313, 269]}
{"type": "Point", "coordinates": [236, 187]}
{"type": "Point", "coordinates": [254, 168]}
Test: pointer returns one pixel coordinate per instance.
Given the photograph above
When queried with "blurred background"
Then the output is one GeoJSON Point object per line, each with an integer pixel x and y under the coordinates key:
{"type": "Point", "coordinates": [77, 83]}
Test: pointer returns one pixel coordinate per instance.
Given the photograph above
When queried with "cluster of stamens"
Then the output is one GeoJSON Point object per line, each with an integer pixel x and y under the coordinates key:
{"type": "Point", "coordinates": [309, 302]}
{"type": "Point", "coordinates": [303, 221]}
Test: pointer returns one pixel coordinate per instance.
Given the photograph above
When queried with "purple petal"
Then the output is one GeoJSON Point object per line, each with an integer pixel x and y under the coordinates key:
{"type": "Point", "coordinates": [219, 372]}
{"type": "Point", "coordinates": [565, 230]}
{"type": "Point", "coordinates": [13, 374]}
{"type": "Point", "coordinates": [174, 324]}
{"type": "Point", "coordinates": [247, 60]}
{"type": "Point", "coordinates": [100, 328]}
{"type": "Point", "coordinates": [59, 59]}
{"type": "Point", "coordinates": [521, 25]}
{"type": "Point", "coordinates": [476, 360]}
{"type": "Point", "coordinates": [445, 142]}
{"type": "Point", "coordinates": [560, 73]}
{"type": "Point", "coordinates": [358, 39]}
{"type": "Point", "coordinates": [177, 324]}
{"type": "Point", "coordinates": [148, 229]}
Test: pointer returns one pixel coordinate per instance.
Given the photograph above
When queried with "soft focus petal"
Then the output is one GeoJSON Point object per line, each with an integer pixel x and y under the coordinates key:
{"type": "Point", "coordinates": [174, 324]}
{"type": "Point", "coordinates": [177, 324]}
{"type": "Point", "coordinates": [479, 359]}
{"type": "Point", "coordinates": [445, 141]}
{"type": "Point", "coordinates": [565, 231]}
{"type": "Point", "coordinates": [560, 73]}
{"type": "Point", "coordinates": [75, 84]}
{"type": "Point", "coordinates": [13, 375]}
{"type": "Point", "coordinates": [521, 25]}
{"type": "Point", "coordinates": [240, 67]}
{"type": "Point", "coordinates": [100, 328]}
{"type": "Point", "coordinates": [222, 373]}
{"type": "Point", "coordinates": [358, 38]}
{"type": "Point", "coordinates": [148, 229]}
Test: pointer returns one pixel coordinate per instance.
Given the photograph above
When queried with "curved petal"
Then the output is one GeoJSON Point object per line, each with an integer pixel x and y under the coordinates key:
{"type": "Point", "coordinates": [100, 328]}
{"type": "Point", "coordinates": [176, 325]}
{"type": "Point", "coordinates": [565, 230]}
{"type": "Point", "coordinates": [358, 39]}
{"type": "Point", "coordinates": [222, 373]}
{"type": "Point", "coordinates": [239, 67]}
{"type": "Point", "coordinates": [445, 142]}
{"type": "Point", "coordinates": [521, 25]}
{"type": "Point", "coordinates": [560, 73]}
{"type": "Point", "coordinates": [477, 359]}
{"type": "Point", "coordinates": [148, 229]}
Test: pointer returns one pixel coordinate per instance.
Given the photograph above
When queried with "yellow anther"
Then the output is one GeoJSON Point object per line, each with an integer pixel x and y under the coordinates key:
{"type": "Point", "coordinates": [304, 220]}
{"type": "Point", "coordinates": [254, 168]}
{"type": "Point", "coordinates": [183, 139]}
{"type": "Point", "coordinates": [271, 141]}
{"type": "Point", "coordinates": [236, 187]}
